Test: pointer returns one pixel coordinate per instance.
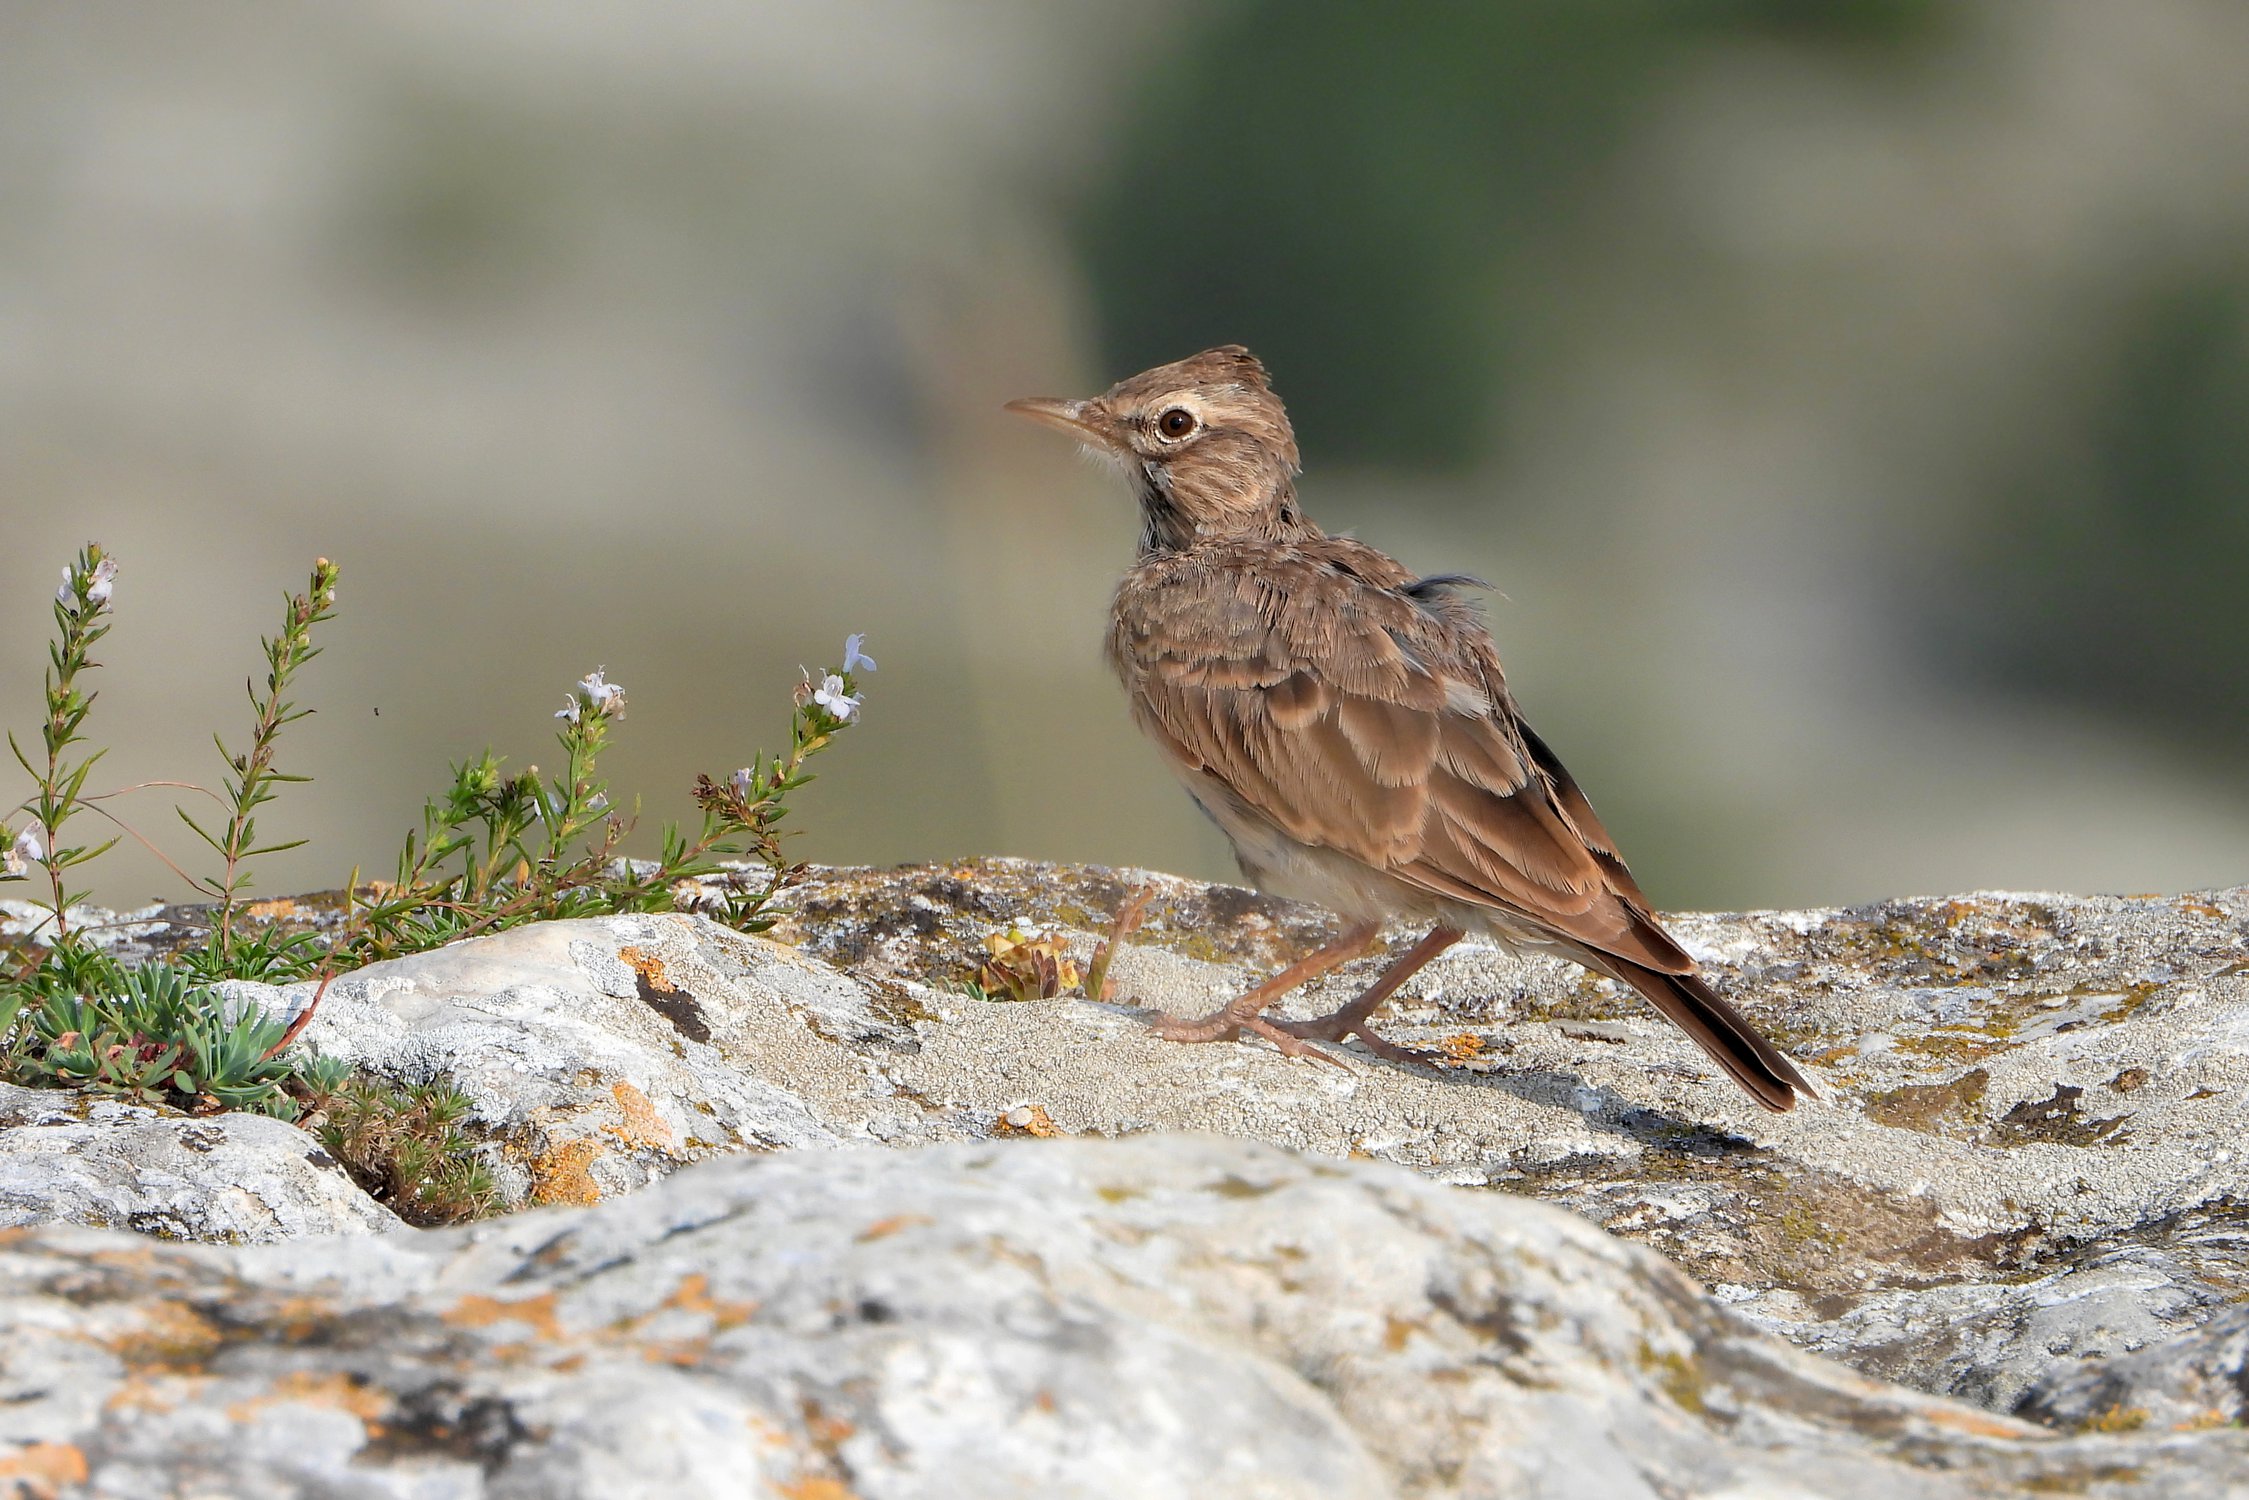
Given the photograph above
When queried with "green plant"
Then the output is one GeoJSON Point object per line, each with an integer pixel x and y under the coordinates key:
{"type": "Point", "coordinates": [153, 1036]}
{"type": "Point", "coordinates": [495, 850]}
{"type": "Point", "coordinates": [498, 850]}
{"type": "Point", "coordinates": [81, 605]}
{"type": "Point", "coordinates": [251, 782]}
{"type": "Point", "coordinates": [319, 1075]}
{"type": "Point", "coordinates": [405, 1146]}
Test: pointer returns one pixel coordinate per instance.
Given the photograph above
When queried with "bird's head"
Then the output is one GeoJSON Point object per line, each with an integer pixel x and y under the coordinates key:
{"type": "Point", "coordinates": [1205, 441]}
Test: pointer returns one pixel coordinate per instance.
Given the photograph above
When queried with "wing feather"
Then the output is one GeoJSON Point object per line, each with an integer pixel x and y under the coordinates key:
{"type": "Point", "coordinates": [1329, 702]}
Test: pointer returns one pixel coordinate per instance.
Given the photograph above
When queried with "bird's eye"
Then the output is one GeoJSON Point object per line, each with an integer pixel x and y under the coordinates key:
{"type": "Point", "coordinates": [1176, 423]}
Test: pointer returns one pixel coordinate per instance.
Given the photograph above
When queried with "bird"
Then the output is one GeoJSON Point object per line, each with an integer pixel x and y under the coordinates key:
{"type": "Point", "coordinates": [1347, 725]}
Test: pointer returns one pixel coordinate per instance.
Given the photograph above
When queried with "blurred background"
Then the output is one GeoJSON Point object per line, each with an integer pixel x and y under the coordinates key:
{"type": "Point", "coordinates": [1849, 398]}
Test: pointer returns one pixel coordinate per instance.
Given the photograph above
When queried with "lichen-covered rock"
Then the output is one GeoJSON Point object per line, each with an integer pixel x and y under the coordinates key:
{"type": "Point", "coordinates": [236, 1178]}
{"type": "Point", "coordinates": [2029, 1151]}
{"type": "Point", "coordinates": [1168, 1317]}
{"type": "Point", "coordinates": [2200, 1379]}
{"type": "Point", "coordinates": [601, 1054]}
{"type": "Point", "coordinates": [2032, 1149]}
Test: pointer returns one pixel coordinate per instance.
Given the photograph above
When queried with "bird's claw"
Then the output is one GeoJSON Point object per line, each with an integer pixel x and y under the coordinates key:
{"type": "Point", "coordinates": [1228, 1022]}
{"type": "Point", "coordinates": [1328, 1029]}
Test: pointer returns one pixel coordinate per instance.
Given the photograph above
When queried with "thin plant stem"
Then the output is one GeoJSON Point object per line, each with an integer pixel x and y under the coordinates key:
{"type": "Point", "coordinates": [80, 607]}
{"type": "Point", "coordinates": [252, 781]}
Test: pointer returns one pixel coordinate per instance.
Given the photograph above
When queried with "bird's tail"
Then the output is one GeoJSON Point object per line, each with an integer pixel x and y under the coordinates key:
{"type": "Point", "coordinates": [1720, 1030]}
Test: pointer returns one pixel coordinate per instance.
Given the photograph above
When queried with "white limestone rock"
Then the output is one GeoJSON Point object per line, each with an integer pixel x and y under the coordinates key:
{"type": "Point", "coordinates": [1165, 1317]}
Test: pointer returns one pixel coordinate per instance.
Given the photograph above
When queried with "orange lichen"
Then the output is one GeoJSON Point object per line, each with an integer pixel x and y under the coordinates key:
{"type": "Point", "coordinates": [299, 1318]}
{"type": "Point", "coordinates": [681, 1354]}
{"type": "Point", "coordinates": [2118, 1418]}
{"type": "Point", "coordinates": [825, 1431]}
{"type": "Point", "coordinates": [335, 1389]}
{"type": "Point", "coordinates": [1027, 1120]}
{"type": "Point", "coordinates": [144, 1393]}
{"type": "Point", "coordinates": [172, 1337]}
{"type": "Point", "coordinates": [1975, 1424]}
{"type": "Point", "coordinates": [42, 1469]}
{"type": "Point", "coordinates": [650, 968]}
{"type": "Point", "coordinates": [1462, 1047]}
{"type": "Point", "coordinates": [884, 1228]}
{"type": "Point", "coordinates": [638, 1123]}
{"type": "Point", "coordinates": [817, 1487]}
{"type": "Point", "coordinates": [560, 1174]}
{"type": "Point", "coordinates": [479, 1311]}
{"type": "Point", "coordinates": [694, 1295]}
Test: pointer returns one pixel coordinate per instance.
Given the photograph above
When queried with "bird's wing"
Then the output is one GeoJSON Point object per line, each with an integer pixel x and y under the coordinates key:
{"type": "Point", "coordinates": [1357, 720]}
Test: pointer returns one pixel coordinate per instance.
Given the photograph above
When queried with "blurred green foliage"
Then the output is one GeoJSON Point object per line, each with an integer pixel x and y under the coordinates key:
{"type": "Point", "coordinates": [1355, 191]}
{"type": "Point", "coordinates": [1374, 197]}
{"type": "Point", "coordinates": [2113, 573]}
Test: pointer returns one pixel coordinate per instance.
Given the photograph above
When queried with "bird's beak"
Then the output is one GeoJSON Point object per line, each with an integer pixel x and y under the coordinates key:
{"type": "Point", "coordinates": [1083, 420]}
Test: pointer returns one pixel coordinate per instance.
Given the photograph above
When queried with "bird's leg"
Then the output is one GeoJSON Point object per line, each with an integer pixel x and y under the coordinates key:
{"type": "Point", "coordinates": [1351, 1020]}
{"type": "Point", "coordinates": [1244, 1013]}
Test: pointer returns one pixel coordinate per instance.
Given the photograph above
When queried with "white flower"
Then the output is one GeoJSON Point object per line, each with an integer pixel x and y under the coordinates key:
{"type": "Point", "coordinates": [99, 583]}
{"type": "Point", "coordinates": [27, 850]}
{"type": "Point", "coordinates": [831, 696]}
{"type": "Point", "coordinates": [599, 801]}
{"type": "Point", "coordinates": [595, 695]}
{"type": "Point", "coordinates": [601, 696]}
{"type": "Point", "coordinates": [743, 780]}
{"type": "Point", "coordinates": [853, 657]}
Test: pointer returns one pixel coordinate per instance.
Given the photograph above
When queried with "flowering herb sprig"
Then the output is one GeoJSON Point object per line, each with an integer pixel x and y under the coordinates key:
{"type": "Point", "coordinates": [743, 815]}
{"type": "Point", "coordinates": [251, 781]}
{"type": "Point", "coordinates": [81, 610]}
{"type": "Point", "coordinates": [499, 850]}
{"type": "Point", "coordinates": [575, 801]}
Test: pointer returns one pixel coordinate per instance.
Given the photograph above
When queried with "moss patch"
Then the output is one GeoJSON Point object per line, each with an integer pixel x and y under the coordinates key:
{"type": "Point", "coordinates": [1932, 1108]}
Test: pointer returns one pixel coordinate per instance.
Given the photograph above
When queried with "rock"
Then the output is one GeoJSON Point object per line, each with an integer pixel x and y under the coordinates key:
{"type": "Point", "coordinates": [603, 1053]}
{"type": "Point", "coordinates": [2030, 1148]}
{"type": "Point", "coordinates": [1991, 1342]}
{"type": "Point", "coordinates": [2029, 1152]}
{"type": "Point", "coordinates": [235, 1178]}
{"type": "Point", "coordinates": [2200, 1379]}
{"type": "Point", "coordinates": [1168, 1316]}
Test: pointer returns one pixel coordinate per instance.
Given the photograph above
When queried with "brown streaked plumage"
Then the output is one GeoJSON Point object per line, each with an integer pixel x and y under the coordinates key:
{"type": "Point", "coordinates": [1349, 728]}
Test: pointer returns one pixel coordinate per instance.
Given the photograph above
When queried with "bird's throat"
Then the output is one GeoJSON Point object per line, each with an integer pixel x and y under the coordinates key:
{"type": "Point", "coordinates": [1168, 524]}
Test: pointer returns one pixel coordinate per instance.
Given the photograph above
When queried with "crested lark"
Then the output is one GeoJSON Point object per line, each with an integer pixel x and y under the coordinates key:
{"type": "Point", "coordinates": [1348, 727]}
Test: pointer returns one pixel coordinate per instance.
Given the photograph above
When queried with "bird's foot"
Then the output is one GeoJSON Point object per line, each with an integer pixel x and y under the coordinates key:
{"type": "Point", "coordinates": [1340, 1026]}
{"type": "Point", "coordinates": [1246, 1012]}
{"type": "Point", "coordinates": [1228, 1022]}
{"type": "Point", "coordinates": [1351, 1020]}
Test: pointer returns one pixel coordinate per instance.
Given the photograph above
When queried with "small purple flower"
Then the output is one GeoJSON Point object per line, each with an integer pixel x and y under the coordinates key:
{"type": "Point", "coordinates": [596, 695]}
{"type": "Point", "coordinates": [602, 696]}
{"type": "Point", "coordinates": [26, 851]}
{"type": "Point", "coordinates": [853, 657]}
{"type": "Point", "coordinates": [831, 696]}
{"type": "Point", "coordinates": [99, 583]}
{"type": "Point", "coordinates": [742, 781]}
